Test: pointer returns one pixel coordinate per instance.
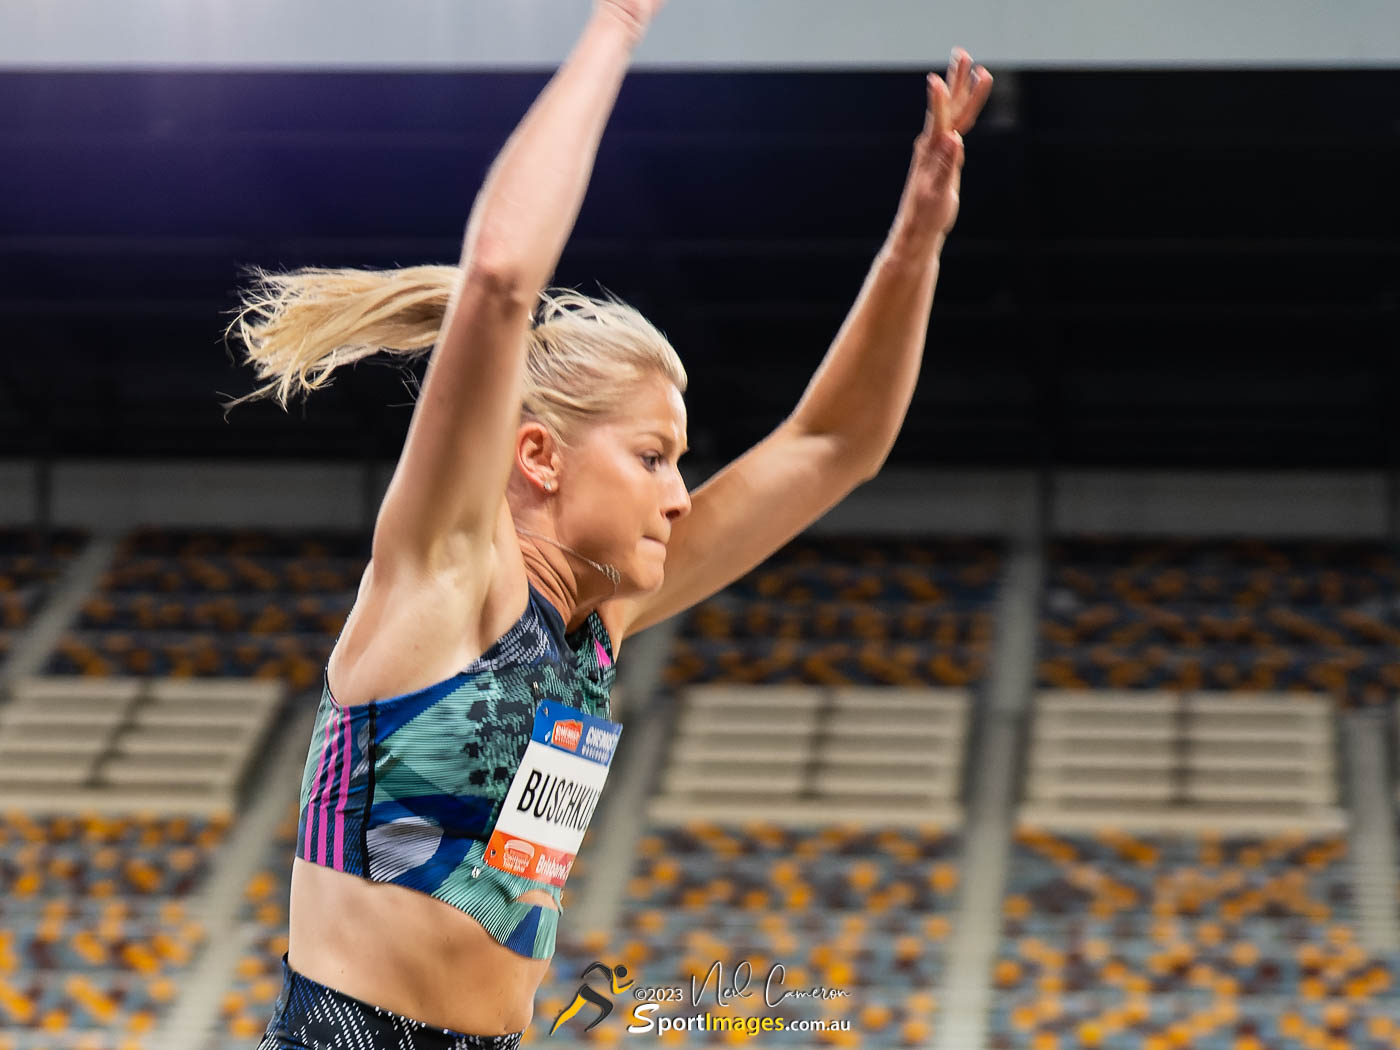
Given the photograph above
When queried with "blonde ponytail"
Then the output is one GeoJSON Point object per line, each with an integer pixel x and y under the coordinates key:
{"type": "Point", "coordinates": [583, 353]}
{"type": "Point", "coordinates": [298, 327]}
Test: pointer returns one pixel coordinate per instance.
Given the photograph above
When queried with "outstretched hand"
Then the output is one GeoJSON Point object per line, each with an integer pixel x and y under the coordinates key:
{"type": "Point", "coordinates": [929, 206]}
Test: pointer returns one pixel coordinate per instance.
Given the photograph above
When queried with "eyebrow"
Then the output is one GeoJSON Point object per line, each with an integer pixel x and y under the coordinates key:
{"type": "Point", "coordinates": [665, 440]}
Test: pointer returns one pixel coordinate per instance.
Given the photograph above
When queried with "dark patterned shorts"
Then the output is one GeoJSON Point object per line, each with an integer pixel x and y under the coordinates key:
{"type": "Point", "coordinates": [310, 1016]}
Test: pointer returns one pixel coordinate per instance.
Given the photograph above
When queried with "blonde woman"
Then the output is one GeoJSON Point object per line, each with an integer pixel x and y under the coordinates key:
{"type": "Point", "coordinates": [461, 742]}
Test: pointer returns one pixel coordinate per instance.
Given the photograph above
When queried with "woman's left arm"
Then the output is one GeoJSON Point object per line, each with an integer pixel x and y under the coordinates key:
{"type": "Point", "coordinates": [847, 420]}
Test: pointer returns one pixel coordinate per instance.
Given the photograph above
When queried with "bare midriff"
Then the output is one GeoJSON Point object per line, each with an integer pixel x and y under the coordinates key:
{"type": "Point", "coordinates": [409, 953]}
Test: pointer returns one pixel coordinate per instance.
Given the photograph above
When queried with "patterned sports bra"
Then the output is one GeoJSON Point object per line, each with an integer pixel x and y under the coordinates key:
{"type": "Point", "coordinates": [407, 790]}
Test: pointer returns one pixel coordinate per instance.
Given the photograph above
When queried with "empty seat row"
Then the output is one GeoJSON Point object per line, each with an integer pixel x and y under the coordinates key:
{"type": "Point", "coordinates": [1210, 557]}
{"type": "Point", "coordinates": [1194, 626]}
{"type": "Point", "coordinates": [728, 618]}
{"type": "Point", "coordinates": [296, 659]}
{"type": "Point", "coordinates": [281, 543]}
{"type": "Point", "coordinates": [764, 661]}
{"type": "Point", "coordinates": [1354, 678]}
{"type": "Point", "coordinates": [229, 614]}
{"type": "Point", "coordinates": [193, 576]}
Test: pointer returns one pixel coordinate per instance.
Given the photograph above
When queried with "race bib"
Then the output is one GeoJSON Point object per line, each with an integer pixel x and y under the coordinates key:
{"type": "Point", "coordinates": [554, 793]}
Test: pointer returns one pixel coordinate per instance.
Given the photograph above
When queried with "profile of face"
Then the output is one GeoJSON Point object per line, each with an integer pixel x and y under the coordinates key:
{"type": "Point", "coordinates": [620, 488]}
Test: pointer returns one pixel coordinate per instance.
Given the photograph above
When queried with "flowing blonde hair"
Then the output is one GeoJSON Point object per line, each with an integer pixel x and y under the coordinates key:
{"type": "Point", "coordinates": [582, 354]}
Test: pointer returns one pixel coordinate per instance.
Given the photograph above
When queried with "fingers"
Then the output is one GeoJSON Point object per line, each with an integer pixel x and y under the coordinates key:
{"type": "Point", "coordinates": [979, 90]}
{"type": "Point", "coordinates": [940, 116]}
{"type": "Point", "coordinates": [955, 102]}
{"type": "Point", "coordinates": [940, 131]}
{"type": "Point", "coordinates": [959, 73]}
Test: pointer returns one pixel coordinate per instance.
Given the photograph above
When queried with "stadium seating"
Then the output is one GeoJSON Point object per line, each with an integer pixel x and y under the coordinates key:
{"type": "Point", "coordinates": [217, 604]}
{"type": "Point", "coordinates": [95, 924]}
{"type": "Point", "coordinates": [848, 612]}
{"type": "Point", "coordinates": [1117, 941]}
{"type": "Point", "coordinates": [1254, 615]}
{"type": "Point", "coordinates": [30, 563]}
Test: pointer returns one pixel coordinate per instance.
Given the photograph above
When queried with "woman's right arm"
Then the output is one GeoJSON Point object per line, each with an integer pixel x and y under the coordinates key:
{"type": "Point", "coordinates": [451, 477]}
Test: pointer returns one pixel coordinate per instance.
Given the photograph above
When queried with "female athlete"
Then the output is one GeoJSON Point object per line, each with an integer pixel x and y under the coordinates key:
{"type": "Point", "coordinates": [459, 741]}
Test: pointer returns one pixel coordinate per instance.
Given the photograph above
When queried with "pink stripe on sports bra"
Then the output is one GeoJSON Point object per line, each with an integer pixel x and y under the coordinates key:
{"type": "Point", "coordinates": [344, 791]}
{"type": "Point", "coordinates": [323, 852]}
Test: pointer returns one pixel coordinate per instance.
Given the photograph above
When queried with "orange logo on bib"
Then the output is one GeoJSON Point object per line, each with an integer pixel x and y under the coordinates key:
{"type": "Point", "coordinates": [518, 855]}
{"type": "Point", "coordinates": [567, 734]}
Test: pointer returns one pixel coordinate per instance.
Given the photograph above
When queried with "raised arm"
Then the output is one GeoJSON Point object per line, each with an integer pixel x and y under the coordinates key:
{"type": "Point", "coordinates": [843, 427]}
{"type": "Point", "coordinates": [451, 477]}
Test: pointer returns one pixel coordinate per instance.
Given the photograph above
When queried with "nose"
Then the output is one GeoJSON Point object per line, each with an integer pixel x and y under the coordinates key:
{"type": "Point", "coordinates": [677, 502]}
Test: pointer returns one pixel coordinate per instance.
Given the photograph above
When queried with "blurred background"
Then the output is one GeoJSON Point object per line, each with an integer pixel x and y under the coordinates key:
{"type": "Point", "coordinates": [1075, 728]}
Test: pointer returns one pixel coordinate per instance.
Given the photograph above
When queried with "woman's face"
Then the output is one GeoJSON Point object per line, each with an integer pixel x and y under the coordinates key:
{"type": "Point", "coordinates": [621, 488]}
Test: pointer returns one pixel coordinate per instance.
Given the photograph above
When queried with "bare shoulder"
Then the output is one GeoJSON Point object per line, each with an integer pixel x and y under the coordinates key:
{"type": "Point", "coordinates": [413, 626]}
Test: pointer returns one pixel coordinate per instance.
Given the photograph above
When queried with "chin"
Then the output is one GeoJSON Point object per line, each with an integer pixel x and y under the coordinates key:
{"type": "Point", "coordinates": [646, 579]}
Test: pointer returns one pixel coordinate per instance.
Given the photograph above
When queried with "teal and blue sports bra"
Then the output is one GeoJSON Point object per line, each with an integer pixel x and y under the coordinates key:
{"type": "Point", "coordinates": [407, 790]}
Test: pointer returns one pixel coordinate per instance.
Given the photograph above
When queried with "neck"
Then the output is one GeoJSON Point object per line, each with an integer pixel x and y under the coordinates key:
{"type": "Point", "coordinates": [591, 570]}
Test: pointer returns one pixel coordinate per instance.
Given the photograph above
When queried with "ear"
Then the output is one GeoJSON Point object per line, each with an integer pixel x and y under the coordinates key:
{"type": "Point", "coordinates": [537, 454]}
